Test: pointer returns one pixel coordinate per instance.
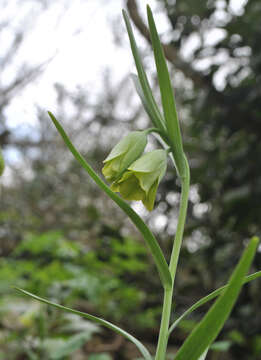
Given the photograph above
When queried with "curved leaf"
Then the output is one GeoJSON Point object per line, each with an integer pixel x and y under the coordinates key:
{"type": "Point", "coordinates": [147, 107]}
{"type": "Point", "coordinates": [209, 327]}
{"type": "Point", "coordinates": [210, 297]}
{"type": "Point", "coordinates": [144, 99]}
{"type": "Point", "coordinates": [137, 221]}
{"type": "Point", "coordinates": [100, 321]}
{"type": "Point", "coordinates": [167, 95]}
{"type": "Point", "coordinates": [156, 118]}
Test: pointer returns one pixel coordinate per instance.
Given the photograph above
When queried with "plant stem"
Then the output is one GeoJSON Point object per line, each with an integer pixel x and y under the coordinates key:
{"type": "Point", "coordinates": [168, 293]}
{"type": "Point", "coordinates": [181, 222]}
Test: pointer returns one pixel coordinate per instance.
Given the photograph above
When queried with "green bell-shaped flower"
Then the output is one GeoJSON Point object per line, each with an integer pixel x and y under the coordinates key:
{"type": "Point", "coordinates": [141, 180]}
{"type": "Point", "coordinates": [124, 154]}
{"type": "Point", "coordinates": [2, 163]}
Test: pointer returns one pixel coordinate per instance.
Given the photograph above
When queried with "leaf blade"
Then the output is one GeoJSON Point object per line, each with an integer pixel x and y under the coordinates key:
{"type": "Point", "coordinates": [93, 318]}
{"type": "Point", "coordinates": [143, 99]}
{"type": "Point", "coordinates": [209, 327]}
{"type": "Point", "coordinates": [210, 297]}
{"type": "Point", "coordinates": [167, 95]}
{"type": "Point", "coordinates": [204, 355]}
{"type": "Point", "coordinates": [157, 118]}
{"type": "Point", "coordinates": [149, 238]}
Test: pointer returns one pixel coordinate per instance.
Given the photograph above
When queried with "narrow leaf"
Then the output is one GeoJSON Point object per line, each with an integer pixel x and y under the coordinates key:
{"type": "Point", "coordinates": [156, 118]}
{"type": "Point", "coordinates": [204, 355]}
{"type": "Point", "coordinates": [167, 95]}
{"type": "Point", "coordinates": [100, 321]}
{"type": "Point", "coordinates": [210, 297]}
{"type": "Point", "coordinates": [143, 99]}
{"type": "Point", "coordinates": [145, 104]}
{"type": "Point", "coordinates": [209, 327]}
{"type": "Point", "coordinates": [137, 221]}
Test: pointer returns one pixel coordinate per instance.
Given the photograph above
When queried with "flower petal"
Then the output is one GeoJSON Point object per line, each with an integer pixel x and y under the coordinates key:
{"type": "Point", "coordinates": [141, 180]}
{"type": "Point", "coordinates": [123, 154]}
{"type": "Point", "coordinates": [149, 162]}
{"type": "Point", "coordinates": [126, 144]}
{"type": "Point", "coordinates": [146, 180]}
{"type": "Point", "coordinates": [130, 189]}
{"type": "Point", "coordinates": [149, 200]}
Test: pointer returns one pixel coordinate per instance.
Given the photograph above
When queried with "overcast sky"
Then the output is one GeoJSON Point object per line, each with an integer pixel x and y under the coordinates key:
{"type": "Point", "coordinates": [81, 40]}
{"type": "Point", "coordinates": [80, 37]}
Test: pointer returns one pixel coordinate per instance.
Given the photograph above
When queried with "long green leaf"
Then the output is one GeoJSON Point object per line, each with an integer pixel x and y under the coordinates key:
{"type": "Point", "coordinates": [209, 327]}
{"type": "Point", "coordinates": [204, 355]}
{"type": "Point", "coordinates": [167, 95]}
{"type": "Point", "coordinates": [210, 297]}
{"type": "Point", "coordinates": [155, 114]}
{"type": "Point", "coordinates": [137, 221]}
{"type": "Point", "coordinates": [145, 104]}
{"type": "Point", "coordinates": [100, 321]}
{"type": "Point", "coordinates": [143, 99]}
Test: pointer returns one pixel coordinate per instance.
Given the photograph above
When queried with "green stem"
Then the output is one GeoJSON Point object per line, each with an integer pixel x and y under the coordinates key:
{"type": "Point", "coordinates": [181, 222]}
{"type": "Point", "coordinates": [164, 326]}
{"type": "Point", "coordinates": [168, 293]}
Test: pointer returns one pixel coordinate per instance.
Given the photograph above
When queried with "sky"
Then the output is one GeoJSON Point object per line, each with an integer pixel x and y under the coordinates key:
{"type": "Point", "coordinates": [80, 42]}
{"type": "Point", "coordinates": [78, 37]}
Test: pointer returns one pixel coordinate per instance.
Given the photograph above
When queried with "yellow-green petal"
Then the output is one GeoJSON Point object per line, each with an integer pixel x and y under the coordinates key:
{"type": "Point", "coordinates": [149, 200]}
{"type": "Point", "coordinates": [130, 189]}
{"type": "Point", "coordinates": [110, 170]}
{"type": "Point", "coordinates": [146, 180]}
{"type": "Point", "coordinates": [149, 162]}
{"type": "Point", "coordinates": [124, 154]}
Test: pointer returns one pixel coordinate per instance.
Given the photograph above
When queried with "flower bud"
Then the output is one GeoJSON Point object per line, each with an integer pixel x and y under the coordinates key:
{"type": "Point", "coordinates": [124, 154]}
{"type": "Point", "coordinates": [2, 163]}
{"type": "Point", "coordinates": [141, 180]}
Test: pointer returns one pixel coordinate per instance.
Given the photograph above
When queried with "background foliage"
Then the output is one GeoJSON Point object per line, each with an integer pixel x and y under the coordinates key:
{"type": "Point", "coordinates": [61, 238]}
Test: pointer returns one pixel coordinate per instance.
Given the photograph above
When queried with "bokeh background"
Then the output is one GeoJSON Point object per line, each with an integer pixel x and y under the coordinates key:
{"type": "Point", "coordinates": [60, 237]}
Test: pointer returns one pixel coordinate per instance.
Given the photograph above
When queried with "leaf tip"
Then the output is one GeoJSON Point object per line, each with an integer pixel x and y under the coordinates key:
{"type": "Point", "coordinates": [51, 115]}
{"type": "Point", "coordinates": [148, 8]}
{"type": "Point", "coordinates": [255, 240]}
{"type": "Point", "coordinates": [125, 15]}
{"type": "Point", "coordinates": [149, 14]}
{"type": "Point", "coordinates": [18, 289]}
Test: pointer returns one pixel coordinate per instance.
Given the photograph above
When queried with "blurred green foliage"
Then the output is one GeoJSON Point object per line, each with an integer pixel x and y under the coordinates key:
{"type": "Point", "coordinates": [55, 267]}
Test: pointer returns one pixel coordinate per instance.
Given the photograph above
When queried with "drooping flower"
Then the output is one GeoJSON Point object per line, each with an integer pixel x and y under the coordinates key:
{"type": "Point", "coordinates": [141, 180]}
{"type": "Point", "coordinates": [124, 154]}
